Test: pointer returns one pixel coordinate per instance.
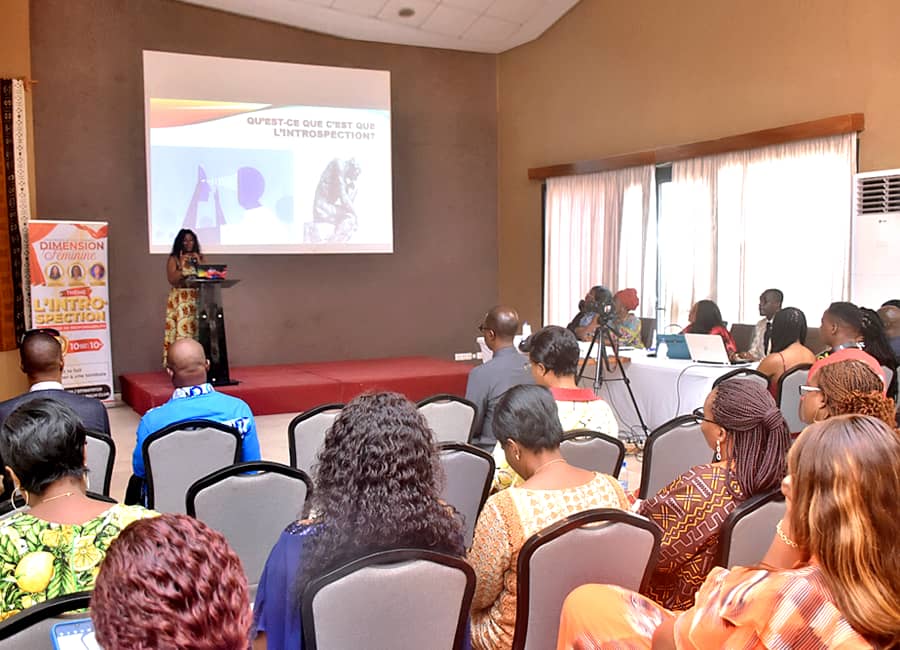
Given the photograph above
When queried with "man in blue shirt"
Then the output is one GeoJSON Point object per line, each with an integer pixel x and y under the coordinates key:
{"type": "Point", "coordinates": [193, 399]}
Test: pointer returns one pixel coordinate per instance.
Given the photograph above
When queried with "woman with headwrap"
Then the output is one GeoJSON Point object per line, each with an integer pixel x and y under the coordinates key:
{"type": "Point", "coordinates": [741, 422]}
{"type": "Point", "coordinates": [628, 326]}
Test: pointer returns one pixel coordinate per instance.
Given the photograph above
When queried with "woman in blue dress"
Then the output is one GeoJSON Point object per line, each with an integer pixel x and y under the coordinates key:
{"type": "Point", "coordinates": [377, 487]}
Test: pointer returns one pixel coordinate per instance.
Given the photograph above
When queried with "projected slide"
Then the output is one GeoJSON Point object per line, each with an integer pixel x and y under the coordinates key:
{"type": "Point", "coordinates": [264, 157]}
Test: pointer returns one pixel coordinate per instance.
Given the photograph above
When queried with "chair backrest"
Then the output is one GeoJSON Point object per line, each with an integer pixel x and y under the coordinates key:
{"type": "Point", "coordinates": [789, 395]}
{"type": "Point", "coordinates": [180, 454]}
{"type": "Point", "coordinates": [672, 449]}
{"type": "Point", "coordinates": [30, 628]}
{"type": "Point", "coordinates": [742, 334]}
{"type": "Point", "coordinates": [743, 373]}
{"type": "Point", "coordinates": [306, 433]}
{"type": "Point", "coordinates": [101, 456]}
{"type": "Point", "coordinates": [449, 416]}
{"type": "Point", "coordinates": [592, 450]}
{"type": "Point", "coordinates": [468, 472]}
{"type": "Point", "coordinates": [648, 329]}
{"type": "Point", "coordinates": [250, 503]}
{"type": "Point", "coordinates": [748, 530]}
{"type": "Point", "coordinates": [888, 377]}
{"type": "Point", "coordinates": [605, 545]}
{"type": "Point", "coordinates": [405, 599]}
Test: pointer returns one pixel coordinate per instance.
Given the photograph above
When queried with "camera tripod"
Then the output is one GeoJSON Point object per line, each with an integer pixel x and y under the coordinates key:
{"type": "Point", "coordinates": [603, 334]}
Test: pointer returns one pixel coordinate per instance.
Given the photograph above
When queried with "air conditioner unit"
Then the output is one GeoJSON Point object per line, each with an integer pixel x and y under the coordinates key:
{"type": "Point", "coordinates": [875, 241]}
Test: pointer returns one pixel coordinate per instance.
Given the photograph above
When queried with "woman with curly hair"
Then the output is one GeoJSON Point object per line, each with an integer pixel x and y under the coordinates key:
{"type": "Point", "coordinates": [377, 487]}
{"type": "Point", "coordinates": [830, 580]}
{"type": "Point", "coordinates": [852, 386]}
{"type": "Point", "coordinates": [171, 582]}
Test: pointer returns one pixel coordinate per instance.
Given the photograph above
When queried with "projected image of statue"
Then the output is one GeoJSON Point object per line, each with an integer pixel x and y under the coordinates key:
{"type": "Point", "coordinates": [334, 217]}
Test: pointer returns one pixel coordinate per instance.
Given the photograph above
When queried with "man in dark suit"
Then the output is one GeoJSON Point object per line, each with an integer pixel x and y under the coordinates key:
{"type": "Point", "coordinates": [42, 361]}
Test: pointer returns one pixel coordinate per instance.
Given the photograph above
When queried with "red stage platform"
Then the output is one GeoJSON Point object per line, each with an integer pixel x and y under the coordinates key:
{"type": "Point", "coordinates": [298, 387]}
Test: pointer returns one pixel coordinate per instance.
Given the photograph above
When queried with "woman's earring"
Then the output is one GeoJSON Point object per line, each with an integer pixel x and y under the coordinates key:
{"type": "Point", "coordinates": [17, 491]}
{"type": "Point", "coordinates": [718, 450]}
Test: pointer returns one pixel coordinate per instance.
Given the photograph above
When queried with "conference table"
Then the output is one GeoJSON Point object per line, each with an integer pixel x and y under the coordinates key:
{"type": "Point", "coordinates": [663, 388]}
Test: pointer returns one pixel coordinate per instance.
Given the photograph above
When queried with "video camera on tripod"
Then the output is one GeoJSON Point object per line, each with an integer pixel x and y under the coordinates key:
{"type": "Point", "coordinates": [601, 305]}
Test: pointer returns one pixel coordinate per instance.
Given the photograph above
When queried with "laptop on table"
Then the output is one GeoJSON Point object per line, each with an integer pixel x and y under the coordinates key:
{"type": "Point", "coordinates": [709, 348]}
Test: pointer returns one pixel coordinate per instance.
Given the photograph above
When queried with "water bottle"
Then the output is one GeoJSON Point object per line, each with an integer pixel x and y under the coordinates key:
{"type": "Point", "coordinates": [623, 475]}
{"type": "Point", "coordinates": [526, 330]}
{"type": "Point", "coordinates": [662, 350]}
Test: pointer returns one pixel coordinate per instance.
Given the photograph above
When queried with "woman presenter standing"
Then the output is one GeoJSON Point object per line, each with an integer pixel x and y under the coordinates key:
{"type": "Point", "coordinates": [181, 308]}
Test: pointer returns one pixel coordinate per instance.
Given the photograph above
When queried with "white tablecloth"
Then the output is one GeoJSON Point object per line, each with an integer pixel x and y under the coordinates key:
{"type": "Point", "coordinates": [663, 388]}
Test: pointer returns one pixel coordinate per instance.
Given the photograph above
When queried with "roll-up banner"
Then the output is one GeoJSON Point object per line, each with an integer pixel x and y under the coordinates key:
{"type": "Point", "coordinates": [70, 293]}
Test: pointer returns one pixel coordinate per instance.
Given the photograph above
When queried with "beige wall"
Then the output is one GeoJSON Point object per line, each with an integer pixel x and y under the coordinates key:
{"type": "Point", "coordinates": [614, 77]}
{"type": "Point", "coordinates": [15, 61]}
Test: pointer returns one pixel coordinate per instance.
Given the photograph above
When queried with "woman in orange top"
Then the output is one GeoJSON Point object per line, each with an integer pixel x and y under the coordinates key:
{"type": "Point", "coordinates": [844, 592]}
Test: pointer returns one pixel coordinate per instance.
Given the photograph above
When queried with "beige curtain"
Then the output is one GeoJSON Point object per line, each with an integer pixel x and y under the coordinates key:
{"type": "Point", "coordinates": [597, 228]}
{"type": "Point", "coordinates": [736, 224]}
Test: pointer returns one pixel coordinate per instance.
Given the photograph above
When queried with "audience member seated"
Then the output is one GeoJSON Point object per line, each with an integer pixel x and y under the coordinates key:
{"type": "Point", "coordinates": [706, 318]}
{"type": "Point", "coordinates": [742, 423]}
{"type": "Point", "coordinates": [55, 547]}
{"type": "Point", "coordinates": [843, 387]}
{"type": "Point", "coordinates": [841, 329]}
{"type": "Point", "coordinates": [876, 343]}
{"type": "Point", "coordinates": [890, 318]}
{"type": "Point", "coordinates": [171, 582]}
{"type": "Point", "coordinates": [526, 423]}
{"type": "Point", "coordinates": [194, 398]}
{"type": "Point", "coordinates": [490, 380]}
{"type": "Point", "coordinates": [553, 354]}
{"type": "Point", "coordinates": [770, 302]}
{"type": "Point", "coordinates": [41, 359]}
{"type": "Point", "coordinates": [837, 587]}
{"type": "Point", "coordinates": [377, 487]}
{"type": "Point", "coordinates": [627, 325]}
{"type": "Point", "coordinates": [788, 346]}
{"type": "Point", "coordinates": [596, 301]}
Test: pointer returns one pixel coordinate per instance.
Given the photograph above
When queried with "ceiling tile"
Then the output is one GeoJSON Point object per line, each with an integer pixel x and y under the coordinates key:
{"type": "Point", "coordinates": [449, 21]}
{"type": "Point", "coordinates": [475, 5]}
{"type": "Point", "coordinates": [515, 11]}
{"type": "Point", "coordinates": [490, 29]}
{"type": "Point", "coordinates": [423, 9]}
{"type": "Point", "coordinates": [360, 7]}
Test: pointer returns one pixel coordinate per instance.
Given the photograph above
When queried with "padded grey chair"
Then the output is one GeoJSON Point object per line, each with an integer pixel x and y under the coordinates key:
{"type": "Point", "coordinates": [672, 449]}
{"type": "Point", "coordinates": [101, 456]}
{"type": "Point", "coordinates": [406, 599]}
{"type": "Point", "coordinates": [176, 456]}
{"type": "Point", "coordinates": [449, 416]}
{"type": "Point", "coordinates": [743, 373]}
{"type": "Point", "coordinates": [789, 395]}
{"type": "Point", "coordinates": [593, 451]}
{"type": "Point", "coordinates": [469, 472]}
{"type": "Point", "coordinates": [605, 545]}
{"type": "Point", "coordinates": [250, 503]}
{"type": "Point", "coordinates": [30, 628]}
{"type": "Point", "coordinates": [306, 433]}
{"type": "Point", "coordinates": [748, 530]}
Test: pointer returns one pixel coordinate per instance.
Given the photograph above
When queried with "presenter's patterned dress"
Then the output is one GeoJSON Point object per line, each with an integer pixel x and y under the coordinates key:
{"type": "Point", "coordinates": [181, 313]}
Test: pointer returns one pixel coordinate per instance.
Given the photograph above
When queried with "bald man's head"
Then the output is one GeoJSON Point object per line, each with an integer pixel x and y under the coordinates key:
{"type": "Point", "coordinates": [503, 321]}
{"type": "Point", "coordinates": [890, 316]}
{"type": "Point", "coordinates": [41, 357]}
{"type": "Point", "coordinates": [186, 363]}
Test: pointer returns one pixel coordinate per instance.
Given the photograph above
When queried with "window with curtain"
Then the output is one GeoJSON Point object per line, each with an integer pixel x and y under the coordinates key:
{"type": "Point", "coordinates": [733, 225]}
{"type": "Point", "coordinates": [598, 229]}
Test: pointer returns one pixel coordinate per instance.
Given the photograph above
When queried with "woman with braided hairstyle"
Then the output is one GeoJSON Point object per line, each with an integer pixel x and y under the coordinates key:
{"type": "Point", "coordinates": [852, 386]}
{"type": "Point", "coordinates": [741, 422]}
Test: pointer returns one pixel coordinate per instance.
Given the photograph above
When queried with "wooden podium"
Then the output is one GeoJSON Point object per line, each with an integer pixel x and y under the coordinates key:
{"type": "Point", "coordinates": [211, 327]}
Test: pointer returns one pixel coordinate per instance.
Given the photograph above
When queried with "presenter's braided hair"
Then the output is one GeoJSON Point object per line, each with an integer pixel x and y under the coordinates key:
{"type": "Point", "coordinates": [853, 387]}
{"type": "Point", "coordinates": [758, 432]}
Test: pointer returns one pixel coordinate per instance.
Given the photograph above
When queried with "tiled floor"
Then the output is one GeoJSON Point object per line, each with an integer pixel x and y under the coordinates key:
{"type": "Point", "coordinates": [272, 432]}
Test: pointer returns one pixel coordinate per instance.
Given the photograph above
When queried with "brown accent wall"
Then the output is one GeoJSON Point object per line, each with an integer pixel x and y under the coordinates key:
{"type": "Point", "coordinates": [614, 77]}
{"type": "Point", "coordinates": [15, 61]}
{"type": "Point", "coordinates": [424, 299]}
